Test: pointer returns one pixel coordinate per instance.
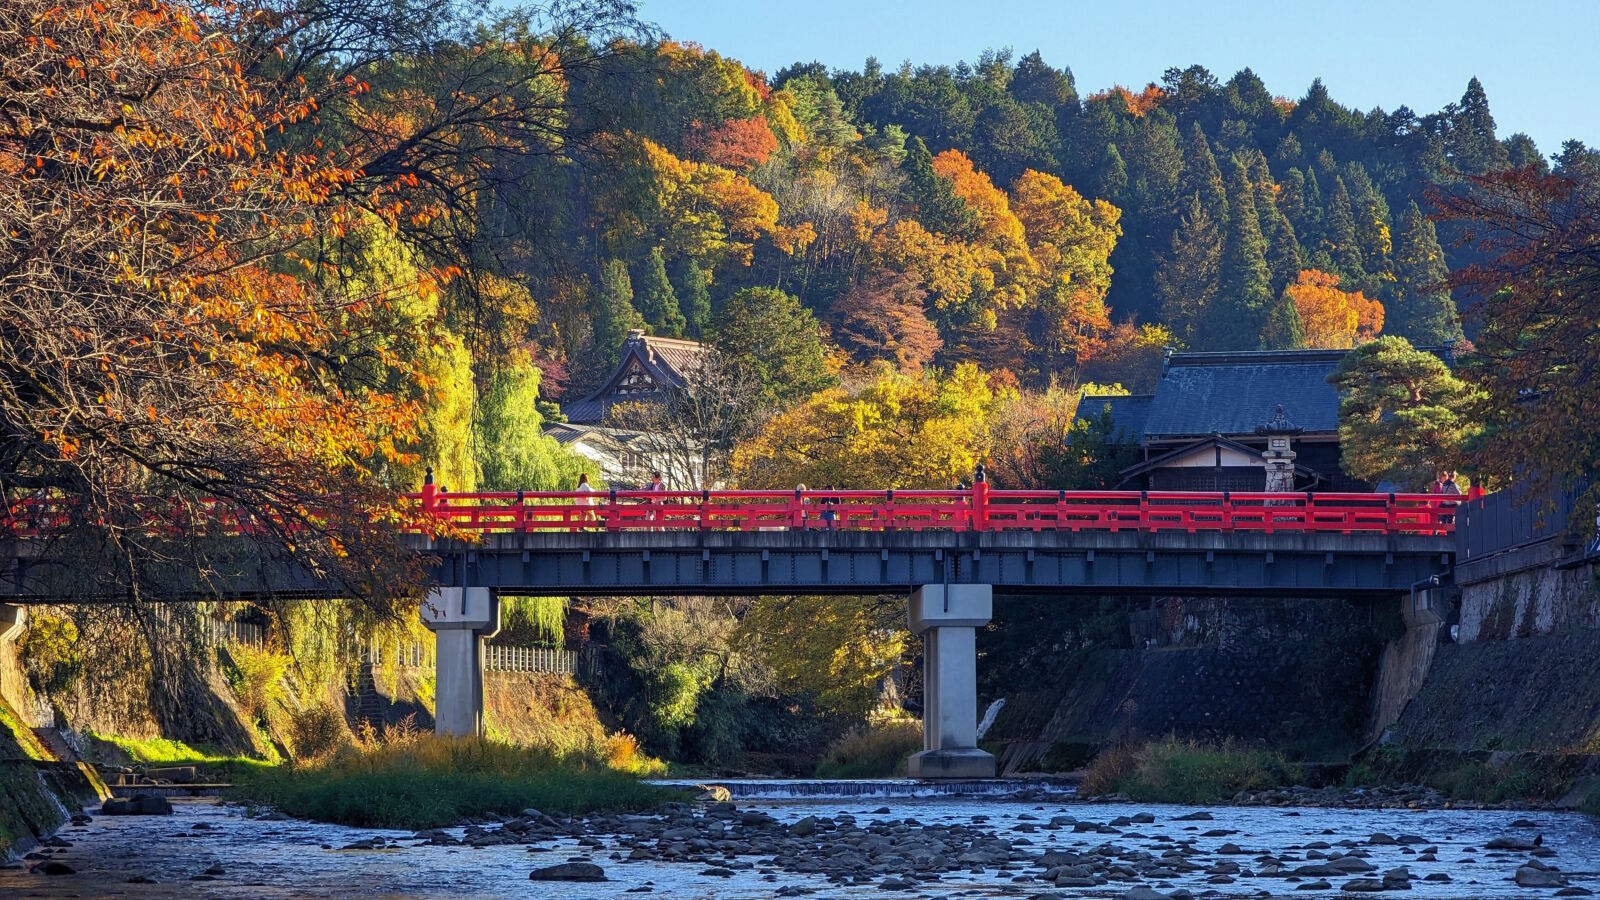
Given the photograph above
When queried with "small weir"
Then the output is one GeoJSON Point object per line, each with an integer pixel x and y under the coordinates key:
{"type": "Point", "coordinates": [857, 789]}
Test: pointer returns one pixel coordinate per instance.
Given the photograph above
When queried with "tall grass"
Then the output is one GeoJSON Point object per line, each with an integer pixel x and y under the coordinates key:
{"type": "Point", "coordinates": [872, 751]}
{"type": "Point", "coordinates": [428, 781]}
{"type": "Point", "coordinates": [1174, 771]}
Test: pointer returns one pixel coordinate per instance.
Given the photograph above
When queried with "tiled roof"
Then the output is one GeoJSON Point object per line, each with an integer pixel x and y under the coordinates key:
{"type": "Point", "coordinates": [566, 433]}
{"type": "Point", "coordinates": [1128, 412]}
{"type": "Point", "coordinates": [1232, 393]}
{"type": "Point", "coordinates": [668, 361]}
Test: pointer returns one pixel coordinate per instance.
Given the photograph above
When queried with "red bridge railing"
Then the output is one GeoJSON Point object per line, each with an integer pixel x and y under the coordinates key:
{"type": "Point", "coordinates": [978, 509]}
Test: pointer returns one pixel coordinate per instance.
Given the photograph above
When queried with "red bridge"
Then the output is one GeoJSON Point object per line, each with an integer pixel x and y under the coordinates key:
{"type": "Point", "coordinates": [977, 509]}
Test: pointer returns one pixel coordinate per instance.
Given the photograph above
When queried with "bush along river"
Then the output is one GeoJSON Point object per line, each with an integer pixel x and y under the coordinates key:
{"type": "Point", "coordinates": [843, 839]}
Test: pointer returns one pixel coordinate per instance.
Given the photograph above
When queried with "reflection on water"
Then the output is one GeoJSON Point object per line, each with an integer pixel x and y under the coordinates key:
{"type": "Point", "coordinates": [261, 858]}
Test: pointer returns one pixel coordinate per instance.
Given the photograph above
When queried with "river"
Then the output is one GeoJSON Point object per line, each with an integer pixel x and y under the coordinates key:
{"type": "Point", "coordinates": [264, 857]}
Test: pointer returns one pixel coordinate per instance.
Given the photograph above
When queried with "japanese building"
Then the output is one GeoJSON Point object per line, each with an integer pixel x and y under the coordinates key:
{"type": "Point", "coordinates": [1219, 421]}
{"type": "Point", "coordinates": [647, 369]}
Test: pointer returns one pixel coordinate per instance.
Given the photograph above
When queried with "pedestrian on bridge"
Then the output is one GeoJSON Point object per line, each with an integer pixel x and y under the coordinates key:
{"type": "Point", "coordinates": [585, 502]}
{"type": "Point", "coordinates": [656, 486]}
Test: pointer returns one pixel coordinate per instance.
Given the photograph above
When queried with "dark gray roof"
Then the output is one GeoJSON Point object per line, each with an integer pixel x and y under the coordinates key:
{"type": "Point", "coordinates": [1127, 411]}
{"type": "Point", "coordinates": [1232, 393]}
{"type": "Point", "coordinates": [669, 363]}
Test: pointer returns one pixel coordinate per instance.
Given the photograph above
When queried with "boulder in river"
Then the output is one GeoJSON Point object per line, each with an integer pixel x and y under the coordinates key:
{"type": "Point", "coordinates": [1530, 877]}
{"type": "Point", "coordinates": [137, 805]}
{"type": "Point", "coordinates": [1509, 842]}
{"type": "Point", "coordinates": [715, 793]}
{"type": "Point", "coordinates": [570, 871]}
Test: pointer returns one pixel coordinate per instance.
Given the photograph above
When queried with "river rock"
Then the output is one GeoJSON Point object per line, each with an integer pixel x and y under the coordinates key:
{"type": "Point", "coordinates": [804, 827]}
{"type": "Point", "coordinates": [1573, 891]}
{"type": "Point", "coordinates": [714, 792]}
{"type": "Point", "coordinates": [1530, 877]}
{"type": "Point", "coordinates": [137, 805]}
{"type": "Point", "coordinates": [1144, 893]}
{"type": "Point", "coordinates": [55, 867]}
{"type": "Point", "coordinates": [1201, 816]}
{"type": "Point", "coordinates": [572, 871]}
{"type": "Point", "coordinates": [1314, 886]}
{"type": "Point", "coordinates": [1509, 842]}
{"type": "Point", "coordinates": [1363, 886]}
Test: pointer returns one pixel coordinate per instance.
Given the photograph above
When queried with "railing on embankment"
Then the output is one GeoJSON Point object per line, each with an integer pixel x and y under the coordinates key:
{"type": "Point", "coordinates": [977, 509]}
{"type": "Point", "coordinates": [1517, 517]}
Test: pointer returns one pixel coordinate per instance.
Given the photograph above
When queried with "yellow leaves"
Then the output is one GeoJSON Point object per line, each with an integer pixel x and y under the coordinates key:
{"type": "Point", "coordinates": [1333, 318]}
{"type": "Point", "coordinates": [900, 430]}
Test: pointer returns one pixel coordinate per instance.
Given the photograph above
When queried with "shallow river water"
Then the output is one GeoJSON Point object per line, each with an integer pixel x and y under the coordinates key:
{"type": "Point", "coordinates": [267, 858]}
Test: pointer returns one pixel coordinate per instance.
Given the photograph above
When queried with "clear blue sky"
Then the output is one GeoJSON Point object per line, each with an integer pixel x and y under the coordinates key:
{"type": "Point", "coordinates": [1538, 59]}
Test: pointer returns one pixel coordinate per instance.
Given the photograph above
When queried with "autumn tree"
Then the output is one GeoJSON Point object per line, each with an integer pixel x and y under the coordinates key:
{"type": "Point", "coordinates": [1403, 414]}
{"type": "Point", "coordinates": [883, 318]}
{"type": "Point", "coordinates": [1330, 317]}
{"type": "Point", "coordinates": [510, 447]}
{"type": "Point", "coordinates": [903, 430]}
{"type": "Point", "coordinates": [161, 339]}
{"type": "Point", "coordinates": [1537, 286]}
{"type": "Point", "coordinates": [835, 650]}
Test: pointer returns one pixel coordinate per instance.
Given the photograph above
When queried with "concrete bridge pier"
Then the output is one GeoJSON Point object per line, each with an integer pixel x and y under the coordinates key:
{"type": "Point", "coordinates": [948, 616]}
{"type": "Point", "coordinates": [461, 619]}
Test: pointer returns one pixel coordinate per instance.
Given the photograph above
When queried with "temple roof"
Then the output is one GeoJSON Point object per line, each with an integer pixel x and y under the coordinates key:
{"type": "Point", "coordinates": [646, 368]}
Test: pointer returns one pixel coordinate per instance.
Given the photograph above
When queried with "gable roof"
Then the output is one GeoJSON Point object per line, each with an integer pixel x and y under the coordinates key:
{"type": "Point", "coordinates": [1231, 393]}
{"type": "Point", "coordinates": [668, 362]}
{"type": "Point", "coordinates": [1128, 412]}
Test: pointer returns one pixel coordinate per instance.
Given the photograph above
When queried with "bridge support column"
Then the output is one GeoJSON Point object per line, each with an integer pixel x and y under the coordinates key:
{"type": "Point", "coordinates": [460, 618]}
{"type": "Point", "coordinates": [948, 616]}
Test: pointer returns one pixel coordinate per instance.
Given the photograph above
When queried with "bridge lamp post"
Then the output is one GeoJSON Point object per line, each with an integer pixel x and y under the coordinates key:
{"type": "Point", "coordinates": [1279, 454]}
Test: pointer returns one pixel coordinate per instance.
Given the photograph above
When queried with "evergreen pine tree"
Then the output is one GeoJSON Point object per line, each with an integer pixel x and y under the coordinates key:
{"type": "Point", "coordinates": [1423, 313]}
{"type": "Point", "coordinates": [1283, 258]}
{"type": "Point", "coordinates": [694, 299]}
{"type": "Point", "coordinates": [613, 313]}
{"type": "Point", "coordinates": [1339, 235]}
{"type": "Point", "coordinates": [1372, 223]}
{"type": "Point", "coordinates": [1470, 145]}
{"type": "Point", "coordinates": [1240, 312]}
{"type": "Point", "coordinates": [1201, 176]}
{"type": "Point", "coordinates": [657, 303]}
{"type": "Point", "coordinates": [1310, 230]}
{"type": "Point", "coordinates": [1265, 188]}
{"type": "Point", "coordinates": [938, 207]}
{"type": "Point", "coordinates": [1188, 275]}
{"type": "Point", "coordinates": [1112, 179]}
{"type": "Point", "coordinates": [1284, 330]}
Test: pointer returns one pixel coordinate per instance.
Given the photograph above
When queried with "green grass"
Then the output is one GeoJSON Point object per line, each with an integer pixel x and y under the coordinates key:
{"type": "Point", "coordinates": [1173, 771]}
{"type": "Point", "coordinates": [434, 782]}
{"type": "Point", "coordinates": [876, 751]}
{"type": "Point", "coordinates": [217, 767]}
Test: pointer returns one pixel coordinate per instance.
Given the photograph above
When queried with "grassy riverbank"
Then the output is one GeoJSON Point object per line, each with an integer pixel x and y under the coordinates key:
{"type": "Point", "coordinates": [431, 782]}
{"type": "Point", "coordinates": [1174, 771]}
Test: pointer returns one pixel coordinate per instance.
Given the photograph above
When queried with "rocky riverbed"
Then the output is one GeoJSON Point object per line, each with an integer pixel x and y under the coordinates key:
{"type": "Point", "coordinates": [938, 846]}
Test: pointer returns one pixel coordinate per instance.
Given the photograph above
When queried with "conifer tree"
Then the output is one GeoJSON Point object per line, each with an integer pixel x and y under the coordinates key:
{"type": "Point", "coordinates": [1339, 235]}
{"type": "Point", "coordinates": [1470, 145]}
{"type": "Point", "coordinates": [938, 206]}
{"type": "Point", "coordinates": [694, 300]}
{"type": "Point", "coordinates": [1372, 225]}
{"type": "Point", "coordinates": [657, 302]}
{"type": "Point", "coordinates": [1283, 258]}
{"type": "Point", "coordinates": [1423, 314]}
{"type": "Point", "coordinates": [1284, 330]}
{"type": "Point", "coordinates": [1310, 229]}
{"type": "Point", "coordinates": [1188, 276]}
{"type": "Point", "coordinates": [1113, 176]}
{"type": "Point", "coordinates": [613, 312]}
{"type": "Point", "coordinates": [1201, 176]}
{"type": "Point", "coordinates": [1240, 313]}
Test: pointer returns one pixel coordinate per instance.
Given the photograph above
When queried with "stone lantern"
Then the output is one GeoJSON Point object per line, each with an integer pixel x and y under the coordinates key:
{"type": "Point", "coordinates": [1279, 454]}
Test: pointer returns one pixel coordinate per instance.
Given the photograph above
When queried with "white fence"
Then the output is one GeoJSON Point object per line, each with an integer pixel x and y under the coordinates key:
{"type": "Point", "coordinates": [220, 631]}
{"type": "Point", "coordinates": [529, 659]}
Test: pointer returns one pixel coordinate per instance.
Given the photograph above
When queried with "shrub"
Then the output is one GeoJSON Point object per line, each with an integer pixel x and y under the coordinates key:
{"type": "Point", "coordinates": [871, 751]}
{"type": "Point", "coordinates": [257, 678]}
{"type": "Point", "coordinates": [429, 781]}
{"type": "Point", "coordinates": [50, 653]}
{"type": "Point", "coordinates": [1174, 771]}
{"type": "Point", "coordinates": [317, 731]}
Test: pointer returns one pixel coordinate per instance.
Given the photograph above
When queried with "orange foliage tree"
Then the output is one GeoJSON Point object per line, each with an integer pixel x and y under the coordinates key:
{"type": "Point", "coordinates": [1333, 318]}
{"type": "Point", "coordinates": [161, 339]}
